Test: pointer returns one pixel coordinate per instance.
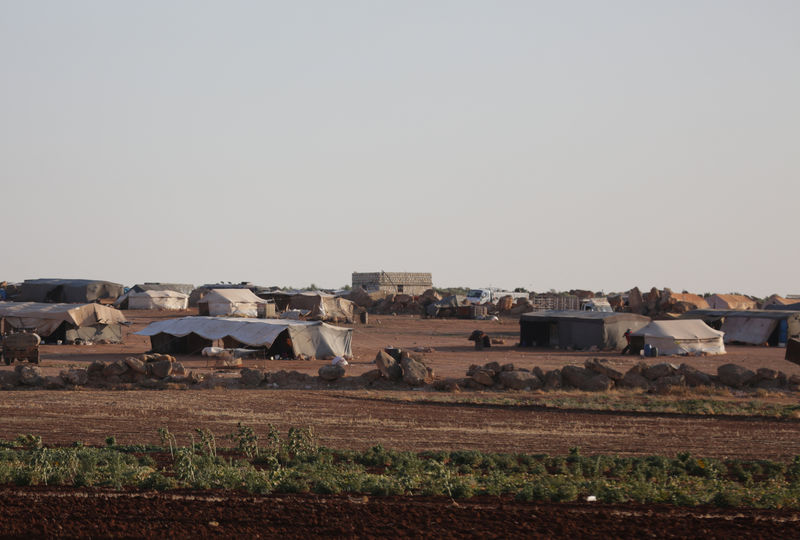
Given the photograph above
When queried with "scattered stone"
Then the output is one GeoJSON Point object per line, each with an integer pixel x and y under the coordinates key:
{"type": "Point", "coordinates": [447, 385]}
{"type": "Point", "coordinates": [693, 376]}
{"type": "Point", "coordinates": [552, 379]}
{"type": "Point", "coordinates": [160, 369]}
{"type": "Point", "coordinates": [664, 369]}
{"type": "Point", "coordinates": [766, 374]}
{"type": "Point", "coordinates": [414, 372]}
{"type": "Point", "coordinates": [601, 367]}
{"type": "Point", "coordinates": [388, 366]}
{"type": "Point", "coordinates": [575, 376]}
{"type": "Point", "coordinates": [519, 380]}
{"type": "Point", "coordinates": [539, 373]}
{"type": "Point", "coordinates": [136, 365]}
{"type": "Point", "coordinates": [115, 368]}
{"type": "Point", "coordinates": [331, 372]}
{"type": "Point", "coordinates": [598, 383]}
{"type": "Point", "coordinates": [635, 380]}
{"type": "Point", "coordinates": [735, 375]}
{"type": "Point", "coordinates": [507, 367]}
{"type": "Point", "coordinates": [75, 376]}
{"type": "Point", "coordinates": [663, 384]}
{"type": "Point", "coordinates": [178, 369]}
{"type": "Point", "coordinates": [54, 382]}
{"type": "Point", "coordinates": [29, 375]}
{"type": "Point", "coordinates": [96, 368]}
{"type": "Point", "coordinates": [251, 377]}
{"type": "Point", "coordinates": [483, 377]}
{"type": "Point", "coordinates": [472, 369]}
{"type": "Point", "coordinates": [493, 366]}
{"type": "Point", "coordinates": [372, 375]}
{"type": "Point", "coordinates": [8, 379]}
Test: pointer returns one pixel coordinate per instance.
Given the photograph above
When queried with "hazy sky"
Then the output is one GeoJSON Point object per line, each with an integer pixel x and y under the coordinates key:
{"type": "Point", "coordinates": [557, 144]}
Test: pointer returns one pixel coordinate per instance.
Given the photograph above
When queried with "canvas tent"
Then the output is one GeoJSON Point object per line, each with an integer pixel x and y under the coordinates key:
{"type": "Point", "coordinates": [161, 300]}
{"type": "Point", "coordinates": [681, 337]}
{"type": "Point", "coordinates": [323, 306]}
{"type": "Point", "coordinates": [66, 322]}
{"type": "Point", "coordinates": [751, 327]}
{"type": "Point", "coordinates": [730, 301]}
{"type": "Point", "coordinates": [184, 288]}
{"type": "Point", "coordinates": [226, 302]}
{"type": "Point", "coordinates": [197, 294]}
{"type": "Point", "coordinates": [189, 335]}
{"type": "Point", "coordinates": [68, 290]}
{"type": "Point", "coordinates": [578, 329]}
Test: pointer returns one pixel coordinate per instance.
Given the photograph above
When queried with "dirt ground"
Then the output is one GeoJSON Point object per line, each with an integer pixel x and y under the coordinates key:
{"type": "Point", "coordinates": [397, 419]}
{"type": "Point", "coordinates": [108, 514]}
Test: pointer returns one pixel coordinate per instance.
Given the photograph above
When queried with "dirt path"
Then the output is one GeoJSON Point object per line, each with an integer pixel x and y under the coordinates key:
{"type": "Point", "coordinates": [362, 419]}
{"type": "Point", "coordinates": [91, 513]}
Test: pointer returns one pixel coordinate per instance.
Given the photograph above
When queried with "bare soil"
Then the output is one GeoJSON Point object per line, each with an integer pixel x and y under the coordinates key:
{"type": "Point", "coordinates": [49, 512]}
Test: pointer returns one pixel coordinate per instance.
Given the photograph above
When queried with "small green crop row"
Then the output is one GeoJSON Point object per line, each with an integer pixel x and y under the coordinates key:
{"type": "Point", "coordinates": [296, 463]}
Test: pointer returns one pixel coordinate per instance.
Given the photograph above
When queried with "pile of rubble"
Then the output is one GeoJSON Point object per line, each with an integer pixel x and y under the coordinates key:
{"type": "Point", "coordinates": [146, 371]}
{"type": "Point", "coordinates": [597, 376]}
{"type": "Point", "coordinates": [657, 304]}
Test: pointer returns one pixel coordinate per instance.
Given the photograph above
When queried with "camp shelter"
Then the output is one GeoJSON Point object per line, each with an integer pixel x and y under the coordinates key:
{"type": "Point", "coordinates": [70, 291]}
{"type": "Point", "coordinates": [160, 300]}
{"type": "Point", "coordinates": [197, 294]}
{"type": "Point", "coordinates": [785, 307]}
{"type": "Point", "coordinates": [323, 306]}
{"type": "Point", "coordinates": [226, 302]}
{"type": "Point", "coordinates": [65, 322]}
{"type": "Point", "coordinates": [730, 301]}
{"type": "Point", "coordinates": [578, 329]}
{"type": "Point", "coordinates": [447, 306]}
{"type": "Point", "coordinates": [681, 337]}
{"type": "Point", "coordinates": [189, 335]}
{"type": "Point", "coordinates": [751, 327]}
{"type": "Point", "coordinates": [185, 288]}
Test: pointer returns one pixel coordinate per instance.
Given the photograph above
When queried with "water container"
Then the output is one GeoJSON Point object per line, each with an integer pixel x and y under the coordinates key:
{"type": "Point", "coordinates": [648, 350]}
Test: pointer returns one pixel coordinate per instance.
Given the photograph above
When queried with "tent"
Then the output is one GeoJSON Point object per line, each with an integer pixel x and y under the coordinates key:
{"type": "Point", "coordinates": [189, 335]}
{"type": "Point", "coordinates": [578, 329]}
{"type": "Point", "coordinates": [185, 288]}
{"type": "Point", "coordinates": [197, 294]}
{"type": "Point", "coordinates": [68, 290]}
{"type": "Point", "coordinates": [323, 306]}
{"type": "Point", "coordinates": [751, 327]}
{"type": "Point", "coordinates": [730, 301]}
{"type": "Point", "coordinates": [690, 336]}
{"type": "Point", "coordinates": [162, 300]}
{"type": "Point", "coordinates": [224, 302]}
{"type": "Point", "coordinates": [66, 322]}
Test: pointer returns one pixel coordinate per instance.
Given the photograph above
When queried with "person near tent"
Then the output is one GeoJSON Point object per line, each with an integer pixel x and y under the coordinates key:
{"type": "Point", "coordinates": [627, 335]}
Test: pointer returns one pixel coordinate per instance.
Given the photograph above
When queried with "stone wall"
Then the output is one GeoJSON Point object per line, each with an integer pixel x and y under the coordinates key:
{"type": "Point", "coordinates": [413, 283]}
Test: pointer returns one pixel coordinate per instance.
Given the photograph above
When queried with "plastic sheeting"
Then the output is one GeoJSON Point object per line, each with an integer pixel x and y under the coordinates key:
{"type": "Point", "coordinates": [308, 337]}
{"type": "Point", "coordinates": [46, 318]}
{"type": "Point", "coordinates": [164, 300]}
{"type": "Point", "coordinates": [751, 330]}
{"type": "Point", "coordinates": [682, 337]}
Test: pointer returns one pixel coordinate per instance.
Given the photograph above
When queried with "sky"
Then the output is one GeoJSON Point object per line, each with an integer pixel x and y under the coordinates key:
{"type": "Point", "coordinates": [545, 145]}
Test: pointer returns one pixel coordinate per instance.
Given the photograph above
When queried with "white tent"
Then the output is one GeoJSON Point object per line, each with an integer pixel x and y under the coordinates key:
{"type": "Point", "coordinates": [312, 338]}
{"type": "Point", "coordinates": [226, 302]}
{"type": "Point", "coordinates": [166, 300]}
{"type": "Point", "coordinates": [689, 336]}
{"type": "Point", "coordinates": [65, 321]}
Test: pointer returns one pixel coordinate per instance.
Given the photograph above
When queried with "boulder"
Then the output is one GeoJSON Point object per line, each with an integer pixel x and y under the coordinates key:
{"type": "Point", "coordinates": [330, 372]}
{"type": "Point", "coordinates": [371, 375]}
{"type": "Point", "coordinates": [552, 379]}
{"type": "Point", "coordinates": [519, 380]}
{"type": "Point", "coordinates": [766, 374]}
{"type": "Point", "coordinates": [635, 301]}
{"type": "Point", "coordinates": [493, 366]}
{"type": "Point", "coordinates": [575, 376]}
{"type": "Point", "coordinates": [638, 368]}
{"type": "Point", "coordinates": [635, 380]}
{"type": "Point", "coordinates": [75, 376]}
{"type": "Point", "coordinates": [507, 367]}
{"type": "Point", "coordinates": [598, 383]}
{"type": "Point", "coordinates": [136, 365]}
{"type": "Point", "coordinates": [483, 377]}
{"type": "Point", "coordinates": [9, 379]}
{"type": "Point", "coordinates": [178, 369]}
{"type": "Point", "coordinates": [538, 372]}
{"type": "Point", "coordinates": [472, 369]}
{"type": "Point", "coordinates": [601, 367]}
{"type": "Point", "coordinates": [664, 369]}
{"type": "Point", "coordinates": [117, 368]}
{"type": "Point", "coordinates": [29, 375]}
{"type": "Point", "coordinates": [251, 377]}
{"type": "Point", "coordinates": [54, 382]}
{"type": "Point", "coordinates": [448, 385]}
{"type": "Point", "coordinates": [388, 366]}
{"type": "Point", "coordinates": [160, 369]}
{"type": "Point", "coordinates": [693, 376]}
{"type": "Point", "coordinates": [95, 369]}
{"type": "Point", "coordinates": [663, 384]}
{"type": "Point", "coordinates": [414, 372]}
{"type": "Point", "coordinates": [735, 375]}
{"type": "Point", "coordinates": [768, 384]}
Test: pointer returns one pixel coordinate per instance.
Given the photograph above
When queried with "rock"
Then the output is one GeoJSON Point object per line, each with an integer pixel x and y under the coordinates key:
{"type": "Point", "coordinates": [519, 380]}
{"type": "Point", "coordinates": [95, 369]}
{"type": "Point", "coordinates": [768, 384]}
{"type": "Point", "coordinates": [54, 382]}
{"type": "Point", "coordinates": [635, 380]}
{"type": "Point", "coordinates": [552, 379]}
{"type": "Point", "coordinates": [483, 377]}
{"type": "Point", "coordinates": [160, 369]}
{"type": "Point", "coordinates": [693, 376]}
{"type": "Point", "coordinates": [794, 379]}
{"type": "Point", "coordinates": [638, 369]}
{"type": "Point", "coordinates": [663, 384]}
{"type": "Point", "coordinates": [414, 372]}
{"type": "Point", "coordinates": [8, 379]}
{"type": "Point", "coordinates": [664, 369]}
{"type": "Point", "coordinates": [493, 366]}
{"type": "Point", "coordinates": [601, 367]}
{"type": "Point", "coordinates": [635, 301]}
{"type": "Point", "coordinates": [472, 369]}
{"type": "Point", "coordinates": [388, 366]}
{"type": "Point", "coordinates": [539, 373]}
{"type": "Point", "coordinates": [117, 368]}
{"type": "Point", "coordinates": [372, 375]}
{"type": "Point", "coordinates": [766, 374]}
{"type": "Point", "coordinates": [136, 365]}
{"type": "Point", "coordinates": [507, 367]}
{"type": "Point", "coordinates": [598, 383]}
{"type": "Point", "coordinates": [178, 369]}
{"type": "Point", "coordinates": [735, 375]}
{"type": "Point", "coordinates": [447, 385]}
{"type": "Point", "coordinates": [330, 372]}
{"type": "Point", "coordinates": [75, 376]}
{"type": "Point", "coordinates": [575, 376]}
{"type": "Point", "coordinates": [251, 377]}
{"type": "Point", "coordinates": [29, 375]}
{"type": "Point", "coordinates": [153, 383]}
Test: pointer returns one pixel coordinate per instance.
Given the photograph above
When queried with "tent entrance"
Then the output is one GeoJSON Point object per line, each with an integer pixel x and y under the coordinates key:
{"type": "Point", "coordinates": [539, 334]}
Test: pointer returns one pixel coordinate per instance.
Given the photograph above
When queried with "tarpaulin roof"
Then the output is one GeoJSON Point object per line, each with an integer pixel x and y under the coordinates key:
{"type": "Point", "coordinates": [233, 296]}
{"type": "Point", "coordinates": [68, 290]}
{"type": "Point", "coordinates": [308, 337]}
{"type": "Point", "coordinates": [47, 317]}
{"type": "Point", "coordinates": [185, 288]}
{"type": "Point", "coordinates": [600, 316]}
{"type": "Point", "coordinates": [683, 329]}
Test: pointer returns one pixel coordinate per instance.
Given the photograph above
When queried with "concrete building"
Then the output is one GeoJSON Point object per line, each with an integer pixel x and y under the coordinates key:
{"type": "Point", "coordinates": [393, 282]}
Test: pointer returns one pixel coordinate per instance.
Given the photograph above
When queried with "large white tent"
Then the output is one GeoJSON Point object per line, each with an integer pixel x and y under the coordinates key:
{"type": "Point", "coordinates": [690, 336]}
{"type": "Point", "coordinates": [312, 338]}
{"type": "Point", "coordinates": [226, 302]}
{"type": "Point", "coordinates": [67, 322]}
